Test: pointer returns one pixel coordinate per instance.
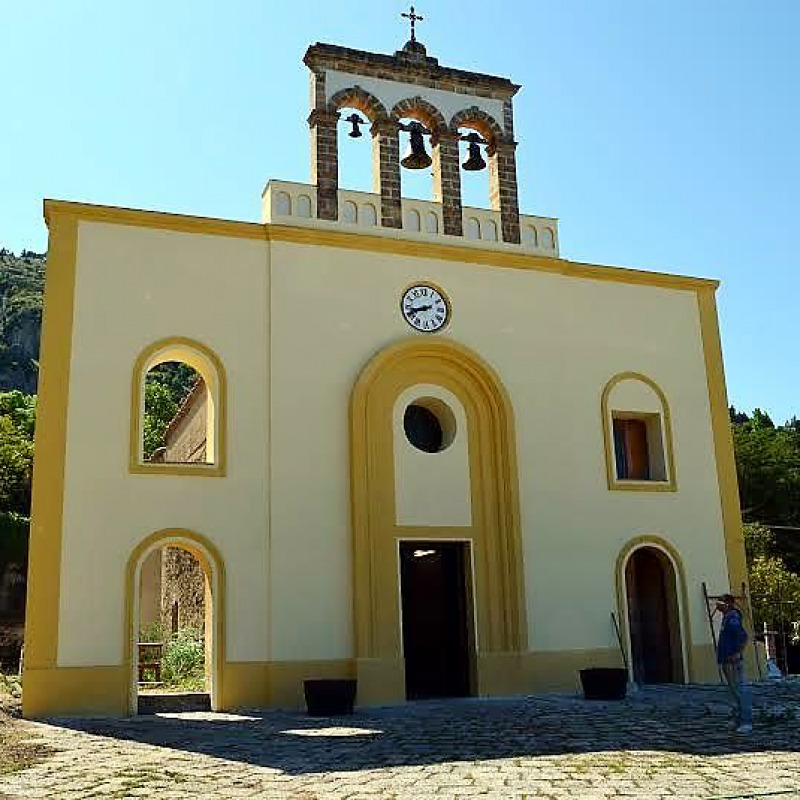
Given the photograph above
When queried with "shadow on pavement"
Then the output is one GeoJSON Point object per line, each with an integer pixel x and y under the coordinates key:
{"type": "Point", "coordinates": [691, 721]}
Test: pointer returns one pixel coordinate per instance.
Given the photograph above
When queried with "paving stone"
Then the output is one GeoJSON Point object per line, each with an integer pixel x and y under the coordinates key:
{"type": "Point", "coordinates": [663, 742]}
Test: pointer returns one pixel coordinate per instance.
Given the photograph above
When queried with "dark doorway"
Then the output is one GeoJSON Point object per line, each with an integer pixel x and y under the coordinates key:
{"type": "Point", "coordinates": [437, 630]}
{"type": "Point", "coordinates": [653, 617]}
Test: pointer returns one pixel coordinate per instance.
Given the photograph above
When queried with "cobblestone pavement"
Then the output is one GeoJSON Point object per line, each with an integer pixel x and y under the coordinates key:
{"type": "Point", "coordinates": [663, 743]}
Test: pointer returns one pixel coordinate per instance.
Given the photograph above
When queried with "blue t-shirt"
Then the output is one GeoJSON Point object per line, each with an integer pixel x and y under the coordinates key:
{"type": "Point", "coordinates": [732, 636]}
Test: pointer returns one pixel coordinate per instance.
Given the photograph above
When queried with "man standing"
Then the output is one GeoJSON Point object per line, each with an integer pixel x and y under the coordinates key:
{"type": "Point", "coordinates": [730, 657]}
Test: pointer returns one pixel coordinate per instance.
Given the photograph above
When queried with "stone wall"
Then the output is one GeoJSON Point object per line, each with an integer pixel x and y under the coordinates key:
{"type": "Point", "coordinates": [413, 68]}
{"type": "Point", "coordinates": [182, 591]}
{"type": "Point", "coordinates": [186, 436]}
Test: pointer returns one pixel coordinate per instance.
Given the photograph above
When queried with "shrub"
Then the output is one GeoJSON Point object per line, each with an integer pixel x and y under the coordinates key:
{"type": "Point", "coordinates": [183, 663]}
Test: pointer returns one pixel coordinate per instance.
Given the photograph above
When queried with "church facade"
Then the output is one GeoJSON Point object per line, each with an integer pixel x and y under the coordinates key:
{"type": "Point", "coordinates": [438, 455]}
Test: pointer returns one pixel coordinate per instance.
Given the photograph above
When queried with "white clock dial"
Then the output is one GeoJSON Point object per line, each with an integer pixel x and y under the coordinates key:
{"type": "Point", "coordinates": [424, 308]}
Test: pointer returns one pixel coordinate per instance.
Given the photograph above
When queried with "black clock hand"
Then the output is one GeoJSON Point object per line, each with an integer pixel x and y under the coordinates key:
{"type": "Point", "coordinates": [418, 309]}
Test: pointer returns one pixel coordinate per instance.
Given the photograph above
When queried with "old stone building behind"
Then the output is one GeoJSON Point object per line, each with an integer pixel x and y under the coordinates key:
{"type": "Point", "coordinates": [173, 586]}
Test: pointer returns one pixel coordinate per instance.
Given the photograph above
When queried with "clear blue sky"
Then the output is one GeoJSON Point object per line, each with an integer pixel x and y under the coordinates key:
{"type": "Point", "coordinates": [664, 135]}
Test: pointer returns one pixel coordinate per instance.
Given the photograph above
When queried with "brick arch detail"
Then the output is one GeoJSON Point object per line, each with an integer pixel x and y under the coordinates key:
{"type": "Point", "coordinates": [473, 117]}
{"type": "Point", "coordinates": [421, 110]}
{"type": "Point", "coordinates": [359, 98]}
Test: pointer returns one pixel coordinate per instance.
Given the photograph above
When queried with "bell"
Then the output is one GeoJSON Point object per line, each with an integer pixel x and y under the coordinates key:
{"type": "Point", "coordinates": [416, 157]}
{"type": "Point", "coordinates": [355, 121]}
{"type": "Point", "coordinates": [474, 161]}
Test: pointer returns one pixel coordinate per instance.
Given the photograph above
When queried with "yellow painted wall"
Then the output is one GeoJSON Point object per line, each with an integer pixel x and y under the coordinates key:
{"type": "Point", "coordinates": [432, 488]}
{"type": "Point", "coordinates": [555, 342]}
{"type": "Point", "coordinates": [135, 286]}
{"type": "Point", "coordinates": [294, 324]}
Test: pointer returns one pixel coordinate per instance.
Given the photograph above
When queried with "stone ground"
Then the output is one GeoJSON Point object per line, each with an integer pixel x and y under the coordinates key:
{"type": "Point", "coordinates": [664, 742]}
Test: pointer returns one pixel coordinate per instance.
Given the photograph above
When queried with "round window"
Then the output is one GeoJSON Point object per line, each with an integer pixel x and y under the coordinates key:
{"type": "Point", "coordinates": [429, 425]}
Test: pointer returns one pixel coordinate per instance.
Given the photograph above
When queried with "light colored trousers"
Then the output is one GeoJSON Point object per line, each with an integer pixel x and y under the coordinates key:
{"type": "Point", "coordinates": [740, 689]}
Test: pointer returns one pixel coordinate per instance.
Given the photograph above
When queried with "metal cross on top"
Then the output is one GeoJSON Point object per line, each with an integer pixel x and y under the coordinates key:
{"type": "Point", "coordinates": [413, 18]}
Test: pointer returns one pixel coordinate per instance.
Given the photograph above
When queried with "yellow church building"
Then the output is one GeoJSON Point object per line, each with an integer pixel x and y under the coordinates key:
{"type": "Point", "coordinates": [436, 455]}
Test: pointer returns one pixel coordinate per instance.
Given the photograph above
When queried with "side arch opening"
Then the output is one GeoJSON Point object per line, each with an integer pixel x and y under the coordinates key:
{"type": "Point", "coordinates": [653, 608]}
{"type": "Point", "coordinates": [174, 655]}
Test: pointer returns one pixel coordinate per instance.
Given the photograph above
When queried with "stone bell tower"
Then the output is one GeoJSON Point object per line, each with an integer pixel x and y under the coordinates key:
{"type": "Point", "coordinates": [411, 84]}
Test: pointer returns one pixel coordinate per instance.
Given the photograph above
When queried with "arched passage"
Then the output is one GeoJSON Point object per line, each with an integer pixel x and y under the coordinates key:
{"type": "Point", "coordinates": [653, 607]}
{"type": "Point", "coordinates": [493, 534]}
{"type": "Point", "coordinates": [214, 629]}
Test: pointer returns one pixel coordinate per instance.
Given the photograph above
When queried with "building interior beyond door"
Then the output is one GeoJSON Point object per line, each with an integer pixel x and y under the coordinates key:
{"type": "Point", "coordinates": [438, 638]}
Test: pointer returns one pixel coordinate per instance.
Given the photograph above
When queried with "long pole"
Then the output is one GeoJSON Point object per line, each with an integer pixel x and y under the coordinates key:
{"type": "Point", "coordinates": [621, 646]}
{"type": "Point", "coordinates": [746, 601]}
{"type": "Point", "coordinates": [710, 616]}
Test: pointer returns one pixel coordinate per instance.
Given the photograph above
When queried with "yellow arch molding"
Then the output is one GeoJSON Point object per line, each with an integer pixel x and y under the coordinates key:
{"type": "Point", "coordinates": [204, 361]}
{"type": "Point", "coordinates": [214, 569]}
{"type": "Point", "coordinates": [494, 533]}
{"type": "Point", "coordinates": [659, 542]}
{"type": "Point", "coordinates": [671, 484]}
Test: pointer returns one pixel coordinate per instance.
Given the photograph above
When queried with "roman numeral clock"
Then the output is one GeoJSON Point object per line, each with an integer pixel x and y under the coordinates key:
{"type": "Point", "coordinates": [425, 307]}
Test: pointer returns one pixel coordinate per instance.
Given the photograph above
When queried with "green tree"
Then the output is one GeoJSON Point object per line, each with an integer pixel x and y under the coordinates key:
{"type": "Point", "coordinates": [178, 377]}
{"type": "Point", "coordinates": [20, 408]}
{"type": "Point", "coordinates": [768, 468]}
{"type": "Point", "coordinates": [16, 468]}
{"type": "Point", "coordinates": [774, 588]}
{"type": "Point", "coordinates": [159, 408]}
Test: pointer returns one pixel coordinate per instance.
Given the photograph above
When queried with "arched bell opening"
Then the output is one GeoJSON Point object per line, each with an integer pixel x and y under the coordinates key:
{"type": "Point", "coordinates": [652, 592]}
{"type": "Point", "coordinates": [355, 153]}
{"type": "Point", "coordinates": [473, 160]}
{"type": "Point", "coordinates": [417, 144]}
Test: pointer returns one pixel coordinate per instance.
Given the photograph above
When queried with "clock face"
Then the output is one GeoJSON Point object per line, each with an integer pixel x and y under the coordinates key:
{"type": "Point", "coordinates": [425, 308]}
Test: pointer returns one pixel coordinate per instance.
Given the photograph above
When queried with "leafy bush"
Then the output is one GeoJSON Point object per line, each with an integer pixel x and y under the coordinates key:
{"type": "Point", "coordinates": [183, 663]}
{"type": "Point", "coordinates": [152, 632]}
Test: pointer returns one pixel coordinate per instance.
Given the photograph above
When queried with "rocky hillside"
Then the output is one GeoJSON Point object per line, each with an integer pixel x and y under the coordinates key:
{"type": "Point", "coordinates": [21, 288]}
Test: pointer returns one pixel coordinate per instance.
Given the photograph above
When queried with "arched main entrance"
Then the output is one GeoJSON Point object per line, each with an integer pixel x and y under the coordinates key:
{"type": "Point", "coordinates": [492, 584]}
{"type": "Point", "coordinates": [186, 548]}
{"type": "Point", "coordinates": [652, 589]}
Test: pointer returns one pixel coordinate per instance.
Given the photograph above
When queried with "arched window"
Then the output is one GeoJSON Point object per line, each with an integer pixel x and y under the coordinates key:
{"type": "Point", "coordinates": [548, 239]}
{"type": "Point", "coordinates": [637, 432]}
{"type": "Point", "coordinates": [489, 230]}
{"type": "Point", "coordinates": [473, 228]}
{"type": "Point", "coordinates": [178, 413]}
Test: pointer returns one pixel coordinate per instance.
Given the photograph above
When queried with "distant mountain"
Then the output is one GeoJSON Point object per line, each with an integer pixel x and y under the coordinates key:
{"type": "Point", "coordinates": [21, 292]}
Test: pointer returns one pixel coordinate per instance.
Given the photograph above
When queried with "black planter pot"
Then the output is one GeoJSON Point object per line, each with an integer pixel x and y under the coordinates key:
{"type": "Point", "coordinates": [330, 697]}
{"type": "Point", "coordinates": [604, 683]}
